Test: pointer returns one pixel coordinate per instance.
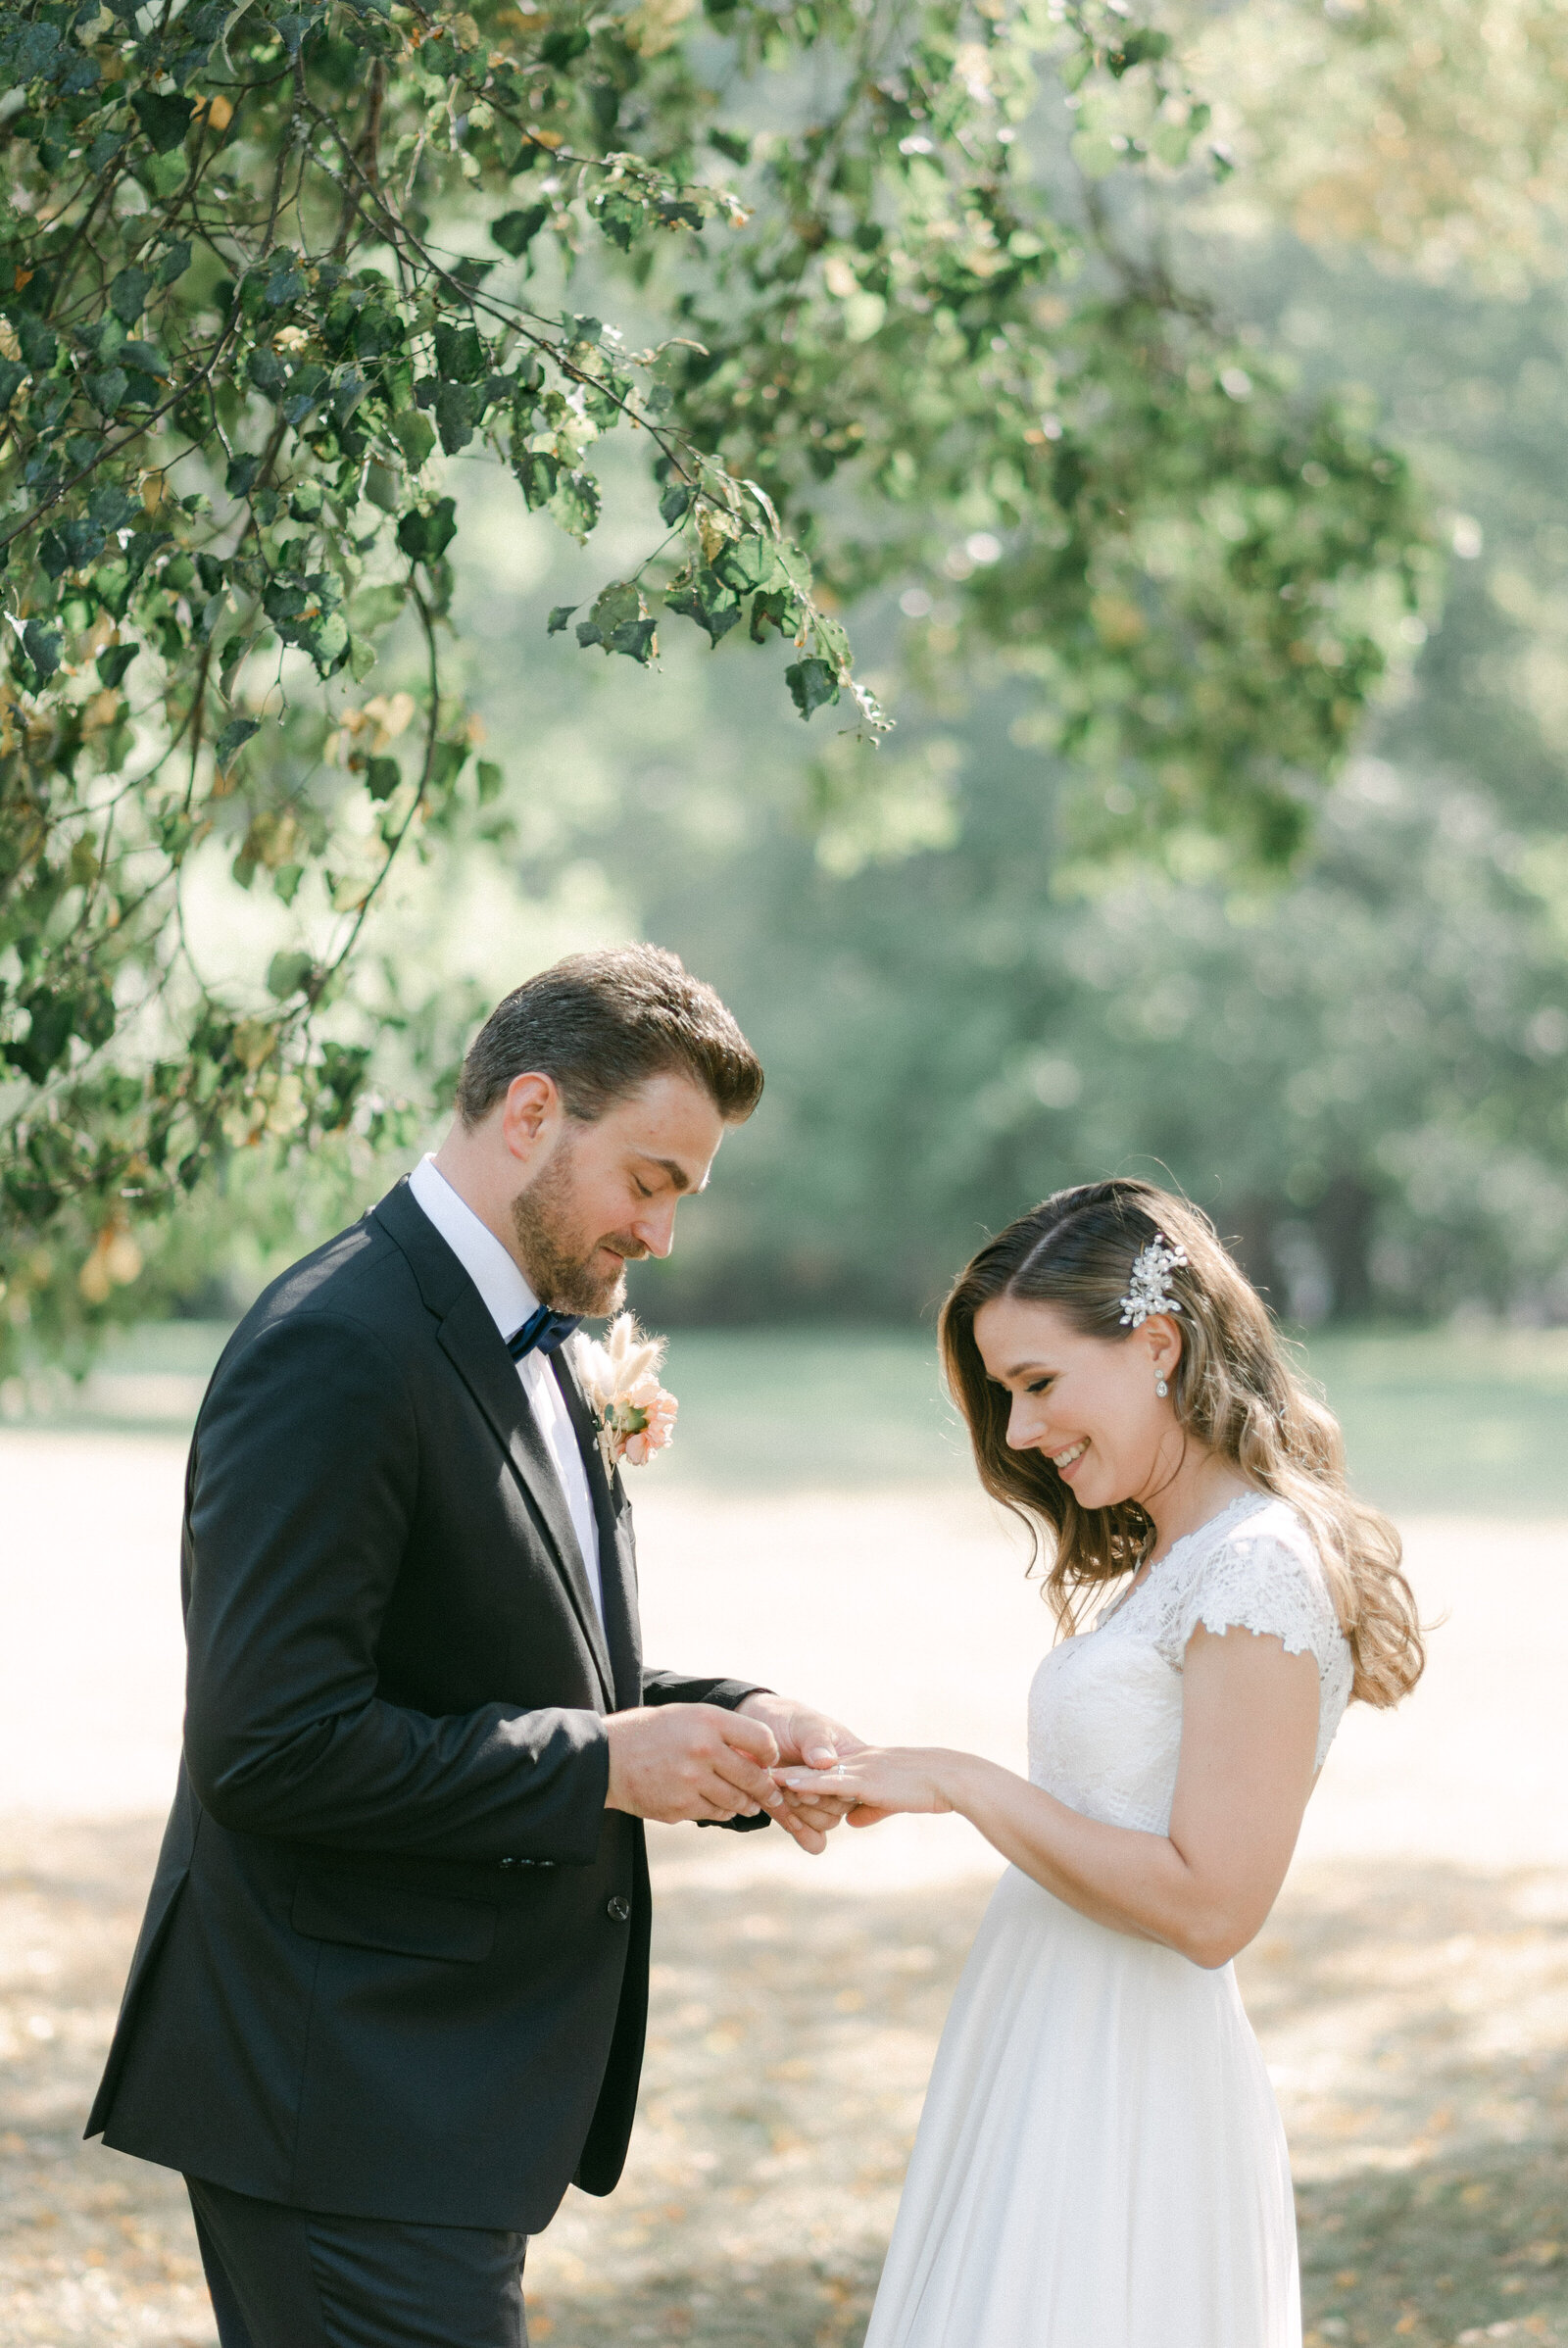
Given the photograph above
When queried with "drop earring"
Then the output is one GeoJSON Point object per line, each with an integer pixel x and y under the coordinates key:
{"type": "Point", "coordinates": [1161, 1387]}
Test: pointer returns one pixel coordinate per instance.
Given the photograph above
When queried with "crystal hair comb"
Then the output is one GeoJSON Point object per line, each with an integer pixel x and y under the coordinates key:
{"type": "Point", "coordinates": [1150, 1289]}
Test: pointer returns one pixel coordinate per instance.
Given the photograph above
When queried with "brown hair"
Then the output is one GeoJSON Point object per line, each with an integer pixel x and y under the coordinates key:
{"type": "Point", "coordinates": [604, 1023]}
{"type": "Point", "coordinates": [1234, 1389]}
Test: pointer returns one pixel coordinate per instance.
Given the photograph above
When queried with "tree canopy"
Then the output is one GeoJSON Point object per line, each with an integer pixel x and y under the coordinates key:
{"type": "Point", "coordinates": [886, 308]}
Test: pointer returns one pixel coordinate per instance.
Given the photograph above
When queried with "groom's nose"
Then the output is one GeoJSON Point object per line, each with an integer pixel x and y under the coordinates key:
{"type": "Point", "coordinates": [655, 1230]}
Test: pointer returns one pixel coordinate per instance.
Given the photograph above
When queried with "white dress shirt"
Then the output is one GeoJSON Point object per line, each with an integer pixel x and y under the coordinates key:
{"type": "Point", "coordinates": [509, 1301]}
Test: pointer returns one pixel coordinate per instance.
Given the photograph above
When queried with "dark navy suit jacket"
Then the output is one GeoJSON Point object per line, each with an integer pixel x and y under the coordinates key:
{"type": "Point", "coordinates": [395, 1959]}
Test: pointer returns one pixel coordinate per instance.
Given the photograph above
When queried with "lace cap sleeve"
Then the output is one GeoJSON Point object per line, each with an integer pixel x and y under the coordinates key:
{"type": "Point", "coordinates": [1264, 1577]}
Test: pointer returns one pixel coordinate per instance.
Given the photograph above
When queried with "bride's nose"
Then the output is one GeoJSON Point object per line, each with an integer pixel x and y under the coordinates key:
{"type": "Point", "coordinates": [1025, 1423]}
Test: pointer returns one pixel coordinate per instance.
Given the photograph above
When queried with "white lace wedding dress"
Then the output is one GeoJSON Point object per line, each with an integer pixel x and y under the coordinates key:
{"type": "Point", "coordinates": [1101, 2162]}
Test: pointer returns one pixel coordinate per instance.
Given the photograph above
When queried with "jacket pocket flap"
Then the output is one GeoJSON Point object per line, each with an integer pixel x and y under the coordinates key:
{"type": "Point", "coordinates": [366, 1914]}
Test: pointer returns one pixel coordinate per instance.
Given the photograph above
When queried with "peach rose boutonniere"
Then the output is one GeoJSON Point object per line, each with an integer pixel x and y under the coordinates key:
{"type": "Point", "coordinates": [634, 1415]}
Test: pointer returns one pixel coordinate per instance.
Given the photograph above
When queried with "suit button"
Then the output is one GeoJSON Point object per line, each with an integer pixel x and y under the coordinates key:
{"type": "Point", "coordinates": [617, 1909]}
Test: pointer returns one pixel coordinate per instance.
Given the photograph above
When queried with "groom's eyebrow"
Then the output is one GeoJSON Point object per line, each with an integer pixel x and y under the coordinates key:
{"type": "Point", "coordinates": [680, 1180]}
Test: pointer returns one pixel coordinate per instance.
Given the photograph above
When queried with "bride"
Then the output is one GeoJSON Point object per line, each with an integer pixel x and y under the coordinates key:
{"type": "Point", "coordinates": [1100, 2163]}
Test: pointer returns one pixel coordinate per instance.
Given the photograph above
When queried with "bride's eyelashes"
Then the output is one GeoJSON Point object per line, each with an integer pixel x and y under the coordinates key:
{"type": "Point", "coordinates": [1040, 1384]}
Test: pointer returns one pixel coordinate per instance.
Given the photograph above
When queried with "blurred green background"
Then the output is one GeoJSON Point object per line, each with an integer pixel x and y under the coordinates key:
{"type": "Point", "coordinates": [1460, 1421]}
{"type": "Point", "coordinates": [1358, 1071]}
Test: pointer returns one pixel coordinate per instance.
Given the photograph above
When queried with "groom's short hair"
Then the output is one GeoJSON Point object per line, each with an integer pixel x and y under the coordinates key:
{"type": "Point", "coordinates": [602, 1024]}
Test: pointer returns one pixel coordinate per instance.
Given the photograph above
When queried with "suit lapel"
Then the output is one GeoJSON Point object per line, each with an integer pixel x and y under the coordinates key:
{"type": "Point", "coordinates": [473, 1343]}
{"type": "Point", "coordinates": [617, 1572]}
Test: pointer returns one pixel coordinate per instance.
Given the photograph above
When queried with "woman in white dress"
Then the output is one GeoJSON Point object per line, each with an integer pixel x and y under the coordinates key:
{"type": "Point", "coordinates": [1101, 2162]}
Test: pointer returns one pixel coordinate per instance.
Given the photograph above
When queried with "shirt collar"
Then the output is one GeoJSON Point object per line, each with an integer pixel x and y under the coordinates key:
{"type": "Point", "coordinates": [505, 1295]}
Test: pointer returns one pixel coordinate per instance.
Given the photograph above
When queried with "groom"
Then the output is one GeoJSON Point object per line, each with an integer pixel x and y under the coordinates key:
{"type": "Point", "coordinates": [390, 1992]}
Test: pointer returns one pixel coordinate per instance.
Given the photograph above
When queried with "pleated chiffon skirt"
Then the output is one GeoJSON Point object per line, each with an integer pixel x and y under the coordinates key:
{"type": "Point", "coordinates": [1101, 2162]}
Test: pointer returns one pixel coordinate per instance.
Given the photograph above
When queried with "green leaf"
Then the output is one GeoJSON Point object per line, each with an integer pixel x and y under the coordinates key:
{"type": "Point", "coordinates": [113, 664]}
{"type": "Point", "coordinates": [232, 740]}
{"type": "Point", "coordinates": [750, 564]}
{"type": "Point", "coordinates": [515, 231]}
{"type": "Point", "coordinates": [621, 214]}
{"type": "Point", "coordinates": [165, 120]}
{"type": "Point", "coordinates": [162, 174]}
{"type": "Point", "coordinates": [564, 45]}
{"type": "Point", "coordinates": [413, 434]}
{"type": "Point", "coordinates": [537, 474]}
{"type": "Point", "coordinates": [674, 503]}
{"type": "Point", "coordinates": [576, 505]}
{"type": "Point", "coordinates": [619, 622]}
{"type": "Point", "coordinates": [454, 417]}
{"type": "Point", "coordinates": [53, 1018]}
{"type": "Point", "coordinates": [1139, 48]}
{"type": "Point", "coordinates": [489, 778]}
{"type": "Point", "coordinates": [108, 389]}
{"type": "Point", "coordinates": [705, 599]}
{"type": "Point", "coordinates": [327, 642]}
{"type": "Point", "coordinates": [812, 685]}
{"type": "Point", "coordinates": [285, 284]}
{"type": "Point", "coordinates": [774, 610]}
{"type": "Point", "coordinates": [289, 973]}
{"type": "Point", "coordinates": [174, 264]}
{"type": "Point", "coordinates": [427, 535]}
{"type": "Point", "coordinates": [558, 617]}
{"type": "Point", "coordinates": [42, 648]}
{"type": "Point", "coordinates": [384, 487]}
{"type": "Point", "coordinates": [382, 777]}
{"type": "Point", "coordinates": [460, 355]}
{"type": "Point", "coordinates": [377, 608]}
{"type": "Point", "coordinates": [110, 508]}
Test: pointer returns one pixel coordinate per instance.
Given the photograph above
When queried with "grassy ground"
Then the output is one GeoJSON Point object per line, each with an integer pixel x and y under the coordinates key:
{"type": "Point", "coordinates": [1415, 2011]}
{"type": "Point", "coordinates": [1416, 2020]}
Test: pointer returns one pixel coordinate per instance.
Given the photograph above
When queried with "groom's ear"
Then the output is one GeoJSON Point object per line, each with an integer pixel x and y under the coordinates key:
{"type": "Point", "coordinates": [531, 1110]}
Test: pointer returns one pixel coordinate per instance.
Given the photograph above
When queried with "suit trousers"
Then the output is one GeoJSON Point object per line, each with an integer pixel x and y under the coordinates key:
{"type": "Point", "coordinates": [284, 2278]}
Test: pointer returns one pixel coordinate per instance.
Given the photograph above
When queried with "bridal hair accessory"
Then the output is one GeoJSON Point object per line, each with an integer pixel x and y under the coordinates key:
{"type": "Point", "coordinates": [1149, 1291]}
{"type": "Point", "coordinates": [634, 1416]}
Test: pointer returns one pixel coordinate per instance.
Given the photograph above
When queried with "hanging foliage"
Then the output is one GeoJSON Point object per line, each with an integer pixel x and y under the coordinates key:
{"type": "Point", "coordinates": [266, 270]}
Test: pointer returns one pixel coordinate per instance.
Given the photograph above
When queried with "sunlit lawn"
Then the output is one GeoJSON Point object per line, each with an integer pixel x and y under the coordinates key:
{"type": "Point", "coordinates": [1412, 2003]}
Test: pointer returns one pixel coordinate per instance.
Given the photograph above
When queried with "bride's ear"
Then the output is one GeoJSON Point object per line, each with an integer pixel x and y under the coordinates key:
{"type": "Point", "coordinates": [1161, 1333]}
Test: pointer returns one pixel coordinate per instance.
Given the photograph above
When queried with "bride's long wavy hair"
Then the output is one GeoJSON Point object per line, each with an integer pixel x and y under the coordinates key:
{"type": "Point", "coordinates": [1234, 1391]}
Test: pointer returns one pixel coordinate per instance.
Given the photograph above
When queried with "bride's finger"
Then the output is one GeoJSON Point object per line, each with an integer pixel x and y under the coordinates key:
{"type": "Point", "coordinates": [818, 1784]}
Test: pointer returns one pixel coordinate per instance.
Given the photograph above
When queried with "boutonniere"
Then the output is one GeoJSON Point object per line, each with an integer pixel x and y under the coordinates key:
{"type": "Point", "coordinates": [634, 1416]}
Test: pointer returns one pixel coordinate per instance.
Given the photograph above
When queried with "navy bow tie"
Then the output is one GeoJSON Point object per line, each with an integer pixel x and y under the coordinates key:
{"type": "Point", "coordinates": [543, 1332]}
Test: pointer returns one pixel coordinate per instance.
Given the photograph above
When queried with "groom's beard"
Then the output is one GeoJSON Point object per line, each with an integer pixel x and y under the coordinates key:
{"type": "Point", "coordinates": [563, 1268]}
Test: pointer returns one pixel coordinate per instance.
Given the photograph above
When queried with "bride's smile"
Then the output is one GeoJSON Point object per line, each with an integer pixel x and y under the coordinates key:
{"type": "Point", "coordinates": [1103, 1412]}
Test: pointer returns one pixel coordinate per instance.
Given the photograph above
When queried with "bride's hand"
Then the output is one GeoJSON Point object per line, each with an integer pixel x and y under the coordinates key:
{"type": "Point", "coordinates": [877, 1781]}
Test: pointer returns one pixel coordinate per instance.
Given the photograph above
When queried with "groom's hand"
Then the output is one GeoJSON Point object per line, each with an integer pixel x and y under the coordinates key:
{"type": "Point", "coordinates": [674, 1762]}
{"type": "Point", "coordinates": [806, 1737]}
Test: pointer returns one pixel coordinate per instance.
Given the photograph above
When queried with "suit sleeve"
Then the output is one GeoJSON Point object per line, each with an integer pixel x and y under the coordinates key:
{"type": "Point", "coordinates": [677, 1687]}
{"type": "Point", "coordinates": [673, 1687]}
{"type": "Point", "coordinates": [303, 1483]}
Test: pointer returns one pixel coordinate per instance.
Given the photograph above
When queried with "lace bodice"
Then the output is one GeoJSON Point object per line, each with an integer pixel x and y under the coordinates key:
{"type": "Point", "coordinates": [1105, 1708]}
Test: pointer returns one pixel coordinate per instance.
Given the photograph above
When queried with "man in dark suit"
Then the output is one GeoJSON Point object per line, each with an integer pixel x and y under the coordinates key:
{"type": "Point", "coordinates": [389, 1996]}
